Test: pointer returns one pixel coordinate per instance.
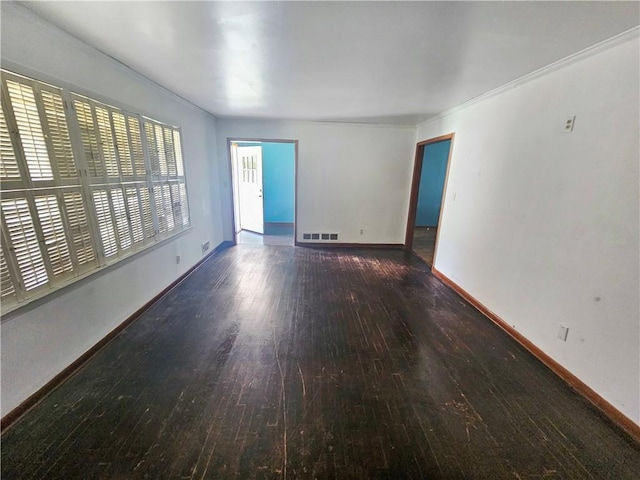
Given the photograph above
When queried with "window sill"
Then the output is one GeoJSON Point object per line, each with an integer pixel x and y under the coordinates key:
{"type": "Point", "coordinates": [17, 308]}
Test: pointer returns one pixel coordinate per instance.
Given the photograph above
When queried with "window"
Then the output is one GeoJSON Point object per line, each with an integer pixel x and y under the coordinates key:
{"type": "Point", "coordinates": [84, 184]}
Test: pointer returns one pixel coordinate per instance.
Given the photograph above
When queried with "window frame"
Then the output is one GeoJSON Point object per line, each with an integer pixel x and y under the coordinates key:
{"type": "Point", "coordinates": [65, 190]}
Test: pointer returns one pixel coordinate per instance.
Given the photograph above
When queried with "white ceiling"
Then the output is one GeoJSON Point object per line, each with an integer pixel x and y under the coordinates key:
{"type": "Point", "coordinates": [387, 62]}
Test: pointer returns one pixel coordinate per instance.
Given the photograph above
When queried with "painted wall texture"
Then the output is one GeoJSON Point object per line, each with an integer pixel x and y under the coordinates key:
{"type": "Point", "coordinates": [278, 181]}
{"type": "Point", "coordinates": [434, 170]}
{"type": "Point", "coordinates": [352, 178]}
{"type": "Point", "coordinates": [40, 341]}
{"type": "Point", "coordinates": [541, 226]}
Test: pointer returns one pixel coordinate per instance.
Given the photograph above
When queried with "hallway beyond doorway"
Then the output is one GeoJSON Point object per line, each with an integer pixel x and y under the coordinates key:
{"type": "Point", "coordinates": [263, 178]}
{"type": "Point", "coordinates": [424, 243]}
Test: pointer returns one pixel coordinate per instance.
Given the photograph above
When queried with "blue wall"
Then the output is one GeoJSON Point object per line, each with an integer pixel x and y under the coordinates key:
{"type": "Point", "coordinates": [434, 169]}
{"type": "Point", "coordinates": [278, 170]}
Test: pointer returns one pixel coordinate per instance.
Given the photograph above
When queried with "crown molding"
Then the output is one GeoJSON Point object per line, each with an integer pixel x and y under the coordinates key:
{"type": "Point", "coordinates": [633, 33]}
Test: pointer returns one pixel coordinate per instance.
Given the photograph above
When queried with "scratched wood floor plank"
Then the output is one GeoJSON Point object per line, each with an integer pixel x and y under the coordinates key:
{"type": "Point", "coordinates": [282, 362]}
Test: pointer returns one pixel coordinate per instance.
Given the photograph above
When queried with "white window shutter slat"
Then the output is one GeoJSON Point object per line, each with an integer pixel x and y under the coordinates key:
{"type": "Point", "coordinates": [7, 290]}
{"type": "Point", "coordinates": [134, 214]}
{"type": "Point", "coordinates": [55, 241]}
{"type": "Point", "coordinates": [177, 208]}
{"type": "Point", "coordinates": [168, 206]}
{"type": "Point", "coordinates": [122, 143]}
{"type": "Point", "coordinates": [152, 147]}
{"type": "Point", "coordinates": [178, 152]}
{"type": "Point", "coordinates": [25, 111]}
{"type": "Point", "coordinates": [78, 227]}
{"type": "Point", "coordinates": [59, 134]}
{"type": "Point", "coordinates": [162, 156]}
{"type": "Point", "coordinates": [136, 146]}
{"type": "Point", "coordinates": [24, 241]}
{"type": "Point", "coordinates": [147, 217]}
{"type": "Point", "coordinates": [107, 142]}
{"type": "Point", "coordinates": [8, 163]}
{"type": "Point", "coordinates": [163, 226]}
{"type": "Point", "coordinates": [170, 152]}
{"type": "Point", "coordinates": [89, 138]}
{"type": "Point", "coordinates": [122, 221]}
{"type": "Point", "coordinates": [105, 223]}
{"type": "Point", "coordinates": [184, 204]}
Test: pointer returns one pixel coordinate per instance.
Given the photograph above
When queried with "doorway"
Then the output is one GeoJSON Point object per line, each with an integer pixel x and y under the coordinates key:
{"type": "Point", "coordinates": [428, 190]}
{"type": "Point", "coordinates": [263, 179]}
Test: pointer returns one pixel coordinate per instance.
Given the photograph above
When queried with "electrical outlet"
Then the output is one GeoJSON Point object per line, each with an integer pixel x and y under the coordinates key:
{"type": "Point", "coordinates": [568, 125]}
{"type": "Point", "coordinates": [563, 332]}
{"type": "Point", "coordinates": [205, 247]}
{"type": "Point", "coordinates": [177, 259]}
{"type": "Point", "coordinates": [361, 231]}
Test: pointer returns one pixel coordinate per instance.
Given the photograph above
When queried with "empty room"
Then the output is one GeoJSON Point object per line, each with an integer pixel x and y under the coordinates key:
{"type": "Point", "coordinates": [320, 240]}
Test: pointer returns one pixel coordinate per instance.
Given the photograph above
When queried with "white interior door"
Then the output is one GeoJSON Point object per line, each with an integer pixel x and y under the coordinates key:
{"type": "Point", "coordinates": [250, 188]}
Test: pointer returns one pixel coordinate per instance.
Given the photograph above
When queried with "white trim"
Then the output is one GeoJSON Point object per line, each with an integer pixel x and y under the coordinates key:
{"type": "Point", "coordinates": [314, 122]}
{"type": "Point", "coordinates": [552, 67]}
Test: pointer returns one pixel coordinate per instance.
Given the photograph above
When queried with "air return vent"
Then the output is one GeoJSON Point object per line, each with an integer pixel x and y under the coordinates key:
{"type": "Point", "coordinates": [320, 236]}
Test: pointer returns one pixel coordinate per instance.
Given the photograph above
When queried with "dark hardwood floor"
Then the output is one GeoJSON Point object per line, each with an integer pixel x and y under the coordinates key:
{"type": "Point", "coordinates": [283, 362]}
{"type": "Point", "coordinates": [424, 243]}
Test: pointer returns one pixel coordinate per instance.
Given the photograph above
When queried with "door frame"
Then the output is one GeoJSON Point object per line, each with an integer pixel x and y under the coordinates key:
{"type": "Point", "coordinates": [238, 184]}
{"type": "Point", "coordinates": [231, 140]}
{"type": "Point", "coordinates": [415, 188]}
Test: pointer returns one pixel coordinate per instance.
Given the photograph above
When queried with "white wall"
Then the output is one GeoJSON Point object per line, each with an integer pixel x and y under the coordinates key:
{"type": "Point", "coordinates": [542, 226]}
{"type": "Point", "coordinates": [351, 177]}
{"type": "Point", "coordinates": [39, 342]}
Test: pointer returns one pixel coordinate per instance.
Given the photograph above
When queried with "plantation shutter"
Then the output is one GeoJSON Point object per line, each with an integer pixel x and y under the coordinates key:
{"type": "Point", "coordinates": [7, 291]}
{"type": "Point", "coordinates": [105, 223]}
{"type": "Point", "coordinates": [107, 142]}
{"type": "Point", "coordinates": [123, 145]}
{"type": "Point", "coordinates": [24, 242]}
{"type": "Point", "coordinates": [134, 214]}
{"type": "Point", "coordinates": [147, 217]}
{"type": "Point", "coordinates": [83, 185]}
{"type": "Point", "coordinates": [79, 228]}
{"type": "Point", "coordinates": [59, 134]}
{"type": "Point", "coordinates": [89, 136]}
{"type": "Point", "coordinates": [54, 238]}
{"type": "Point", "coordinates": [136, 147]}
{"type": "Point", "coordinates": [8, 162]}
{"type": "Point", "coordinates": [122, 221]}
{"type": "Point", "coordinates": [27, 119]}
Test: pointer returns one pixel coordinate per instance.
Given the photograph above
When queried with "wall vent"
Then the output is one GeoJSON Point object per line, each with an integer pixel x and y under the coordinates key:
{"type": "Point", "coordinates": [320, 236]}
